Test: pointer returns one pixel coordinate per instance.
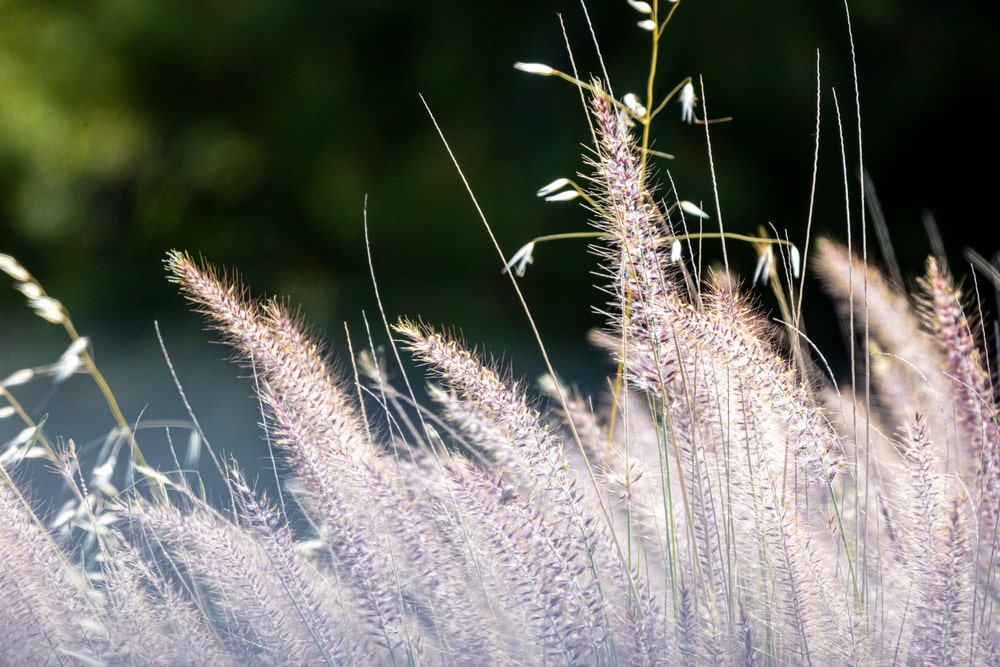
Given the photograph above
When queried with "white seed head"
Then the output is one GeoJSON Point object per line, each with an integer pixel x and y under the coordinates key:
{"type": "Point", "coordinates": [691, 209]}
{"type": "Point", "coordinates": [688, 102]}
{"type": "Point", "coordinates": [7, 411]}
{"type": "Point", "coordinates": [102, 473]}
{"type": "Point", "coordinates": [193, 455]}
{"type": "Point", "coordinates": [796, 261]}
{"type": "Point", "coordinates": [557, 184]}
{"type": "Point", "coordinates": [66, 512]}
{"type": "Point", "coordinates": [633, 104]}
{"type": "Point", "coordinates": [675, 251]}
{"type": "Point", "coordinates": [29, 289]}
{"type": "Point", "coordinates": [48, 309]}
{"type": "Point", "coordinates": [153, 475]}
{"type": "Point", "coordinates": [519, 262]}
{"type": "Point", "coordinates": [20, 377]}
{"type": "Point", "coordinates": [13, 268]}
{"type": "Point", "coordinates": [763, 270]}
{"type": "Point", "coordinates": [565, 195]}
{"type": "Point", "coordinates": [535, 68]}
{"type": "Point", "coordinates": [641, 7]}
{"type": "Point", "coordinates": [24, 436]}
{"type": "Point", "coordinates": [548, 384]}
{"type": "Point", "coordinates": [17, 451]}
{"type": "Point", "coordinates": [70, 361]}
{"type": "Point", "coordinates": [648, 24]}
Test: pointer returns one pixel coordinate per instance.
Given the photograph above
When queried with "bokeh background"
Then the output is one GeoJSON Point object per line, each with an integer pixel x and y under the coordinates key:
{"type": "Point", "coordinates": [254, 133]}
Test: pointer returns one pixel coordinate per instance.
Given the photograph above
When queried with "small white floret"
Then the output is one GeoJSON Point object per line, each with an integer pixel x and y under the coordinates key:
{"type": "Point", "coordinates": [70, 361]}
{"type": "Point", "coordinates": [763, 270]}
{"type": "Point", "coordinates": [535, 68]}
{"type": "Point", "coordinates": [691, 209]}
{"type": "Point", "coordinates": [633, 104]}
{"type": "Point", "coordinates": [20, 377]}
{"type": "Point", "coordinates": [193, 455]}
{"type": "Point", "coordinates": [30, 290]}
{"type": "Point", "coordinates": [641, 7]}
{"type": "Point", "coordinates": [24, 436]}
{"type": "Point", "coordinates": [67, 512]}
{"type": "Point", "coordinates": [13, 268]}
{"type": "Point", "coordinates": [648, 24]}
{"type": "Point", "coordinates": [48, 309]}
{"type": "Point", "coordinates": [688, 102]}
{"type": "Point", "coordinates": [102, 473]}
{"type": "Point", "coordinates": [796, 261]}
{"type": "Point", "coordinates": [557, 184]}
{"type": "Point", "coordinates": [675, 251]}
{"type": "Point", "coordinates": [565, 195]}
{"type": "Point", "coordinates": [519, 262]}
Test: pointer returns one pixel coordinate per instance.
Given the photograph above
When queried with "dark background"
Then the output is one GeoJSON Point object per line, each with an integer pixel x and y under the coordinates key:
{"type": "Point", "coordinates": [253, 131]}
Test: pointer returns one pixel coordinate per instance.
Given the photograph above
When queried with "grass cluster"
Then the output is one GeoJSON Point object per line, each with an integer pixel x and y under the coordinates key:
{"type": "Point", "coordinates": [725, 502]}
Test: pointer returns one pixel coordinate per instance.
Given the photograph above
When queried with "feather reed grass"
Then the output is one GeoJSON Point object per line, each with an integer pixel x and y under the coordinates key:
{"type": "Point", "coordinates": [725, 503]}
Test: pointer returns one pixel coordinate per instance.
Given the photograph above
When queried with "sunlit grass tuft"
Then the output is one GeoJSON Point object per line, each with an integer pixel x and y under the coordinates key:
{"type": "Point", "coordinates": [724, 501]}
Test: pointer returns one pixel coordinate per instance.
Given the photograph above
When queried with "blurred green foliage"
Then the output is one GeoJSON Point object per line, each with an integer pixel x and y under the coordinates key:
{"type": "Point", "coordinates": [253, 131]}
